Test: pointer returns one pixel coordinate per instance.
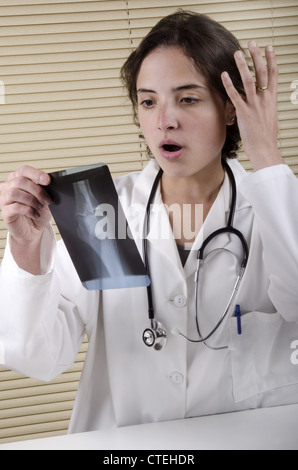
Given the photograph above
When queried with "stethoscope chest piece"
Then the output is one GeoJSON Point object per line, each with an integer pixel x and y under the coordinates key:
{"type": "Point", "coordinates": [156, 336]}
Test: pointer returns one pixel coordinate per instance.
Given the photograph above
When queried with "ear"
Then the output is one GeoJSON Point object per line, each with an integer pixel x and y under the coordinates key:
{"type": "Point", "coordinates": [230, 112]}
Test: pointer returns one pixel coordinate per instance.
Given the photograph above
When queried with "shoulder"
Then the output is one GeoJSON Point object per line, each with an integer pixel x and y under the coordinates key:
{"type": "Point", "coordinates": [238, 170]}
{"type": "Point", "coordinates": [135, 187]}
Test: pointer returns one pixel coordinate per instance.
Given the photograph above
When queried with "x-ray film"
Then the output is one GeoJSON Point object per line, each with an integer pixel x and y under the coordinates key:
{"type": "Point", "coordinates": [92, 224]}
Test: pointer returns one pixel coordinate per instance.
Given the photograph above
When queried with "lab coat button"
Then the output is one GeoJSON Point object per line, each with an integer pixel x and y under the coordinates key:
{"type": "Point", "coordinates": [176, 378]}
{"type": "Point", "coordinates": [180, 301]}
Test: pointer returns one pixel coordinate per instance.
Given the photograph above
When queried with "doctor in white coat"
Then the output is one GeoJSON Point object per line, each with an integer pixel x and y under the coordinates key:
{"type": "Point", "coordinates": [192, 92]}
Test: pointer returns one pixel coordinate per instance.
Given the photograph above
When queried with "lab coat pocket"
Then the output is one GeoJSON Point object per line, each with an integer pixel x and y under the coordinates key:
{"type": "Point", "coordinates": [263, 356]}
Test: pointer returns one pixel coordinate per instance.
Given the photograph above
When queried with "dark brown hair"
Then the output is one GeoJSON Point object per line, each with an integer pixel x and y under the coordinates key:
{"type": "Point", "coordinates": [208, 43]}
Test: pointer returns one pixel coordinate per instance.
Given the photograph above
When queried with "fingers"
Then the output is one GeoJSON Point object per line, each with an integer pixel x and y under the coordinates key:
{"type": "Point", "coordinates": [259, 64]}
{"type": "Point", "coordinates": [246, 76]}
{"type": "Point", "coordinates": [33, 174]}
{"type": "Point", "coordinates": [11, 212]}
{"type": "Point", "coordinates": [272, 69]}
{"type": "Point", "coordinates": [266, 73]}
{"type": "Point", "coordinates": [231, 91]}
{"type": "Point", "coordinates": [24, 192]}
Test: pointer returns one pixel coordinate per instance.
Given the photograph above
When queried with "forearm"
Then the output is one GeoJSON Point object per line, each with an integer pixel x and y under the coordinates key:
{"type": "Point", "coordinates": [273, 193]}
{"type": "Point", "coordinates": [40, 328]}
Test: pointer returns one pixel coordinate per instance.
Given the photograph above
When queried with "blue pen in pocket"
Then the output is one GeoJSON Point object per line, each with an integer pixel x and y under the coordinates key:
{"type": "Point", "coordinates": [238, 316]}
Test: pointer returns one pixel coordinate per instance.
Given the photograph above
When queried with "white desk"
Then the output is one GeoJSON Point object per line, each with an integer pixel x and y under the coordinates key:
{"type": "Point", "coordinates": [263, 429]}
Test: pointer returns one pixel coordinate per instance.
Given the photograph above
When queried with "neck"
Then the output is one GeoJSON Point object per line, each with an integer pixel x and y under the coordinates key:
{"type": "Point", "coordinates": [183, 196]}
{"type": "Point", "coordinates": [200, 188]}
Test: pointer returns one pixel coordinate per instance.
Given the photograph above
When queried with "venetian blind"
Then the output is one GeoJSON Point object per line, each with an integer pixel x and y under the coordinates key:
{"type": "Point", "coordinates": [62, 105]}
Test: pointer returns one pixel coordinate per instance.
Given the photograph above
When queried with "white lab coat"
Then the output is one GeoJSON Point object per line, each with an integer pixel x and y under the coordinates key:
{"type": "Point", "coordinates": [43, 319]}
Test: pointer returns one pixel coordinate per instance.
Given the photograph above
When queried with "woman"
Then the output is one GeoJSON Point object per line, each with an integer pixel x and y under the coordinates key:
{"type": "Point", "coordinates": [192, 93]}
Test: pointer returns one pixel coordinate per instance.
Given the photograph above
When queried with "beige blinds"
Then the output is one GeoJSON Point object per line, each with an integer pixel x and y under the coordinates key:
{"type": "Point", "coordinates": [61, 105]}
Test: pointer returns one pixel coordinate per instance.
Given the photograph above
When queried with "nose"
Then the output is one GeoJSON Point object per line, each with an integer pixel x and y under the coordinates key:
{"type": "Point", "coordinates": [167, 119]}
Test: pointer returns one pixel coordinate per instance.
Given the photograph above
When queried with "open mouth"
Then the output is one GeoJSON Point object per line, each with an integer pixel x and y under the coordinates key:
{"type": "Point", "coordinates": [171, 148]}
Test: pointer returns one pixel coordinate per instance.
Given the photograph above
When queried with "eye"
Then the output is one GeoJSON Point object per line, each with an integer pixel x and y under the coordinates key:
{"type": "Point", "coordinates": [189, 100]}
{"type": "Point", "coordinates": [147, 103]}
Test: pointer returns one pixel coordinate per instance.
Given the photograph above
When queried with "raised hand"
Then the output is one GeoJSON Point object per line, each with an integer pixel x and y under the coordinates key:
{"type": "Point", "coordinates": [256, 111]}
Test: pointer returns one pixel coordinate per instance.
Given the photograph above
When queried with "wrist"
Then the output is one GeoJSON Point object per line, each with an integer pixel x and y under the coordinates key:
{"type": "Point", "coordinates": [266, 159]}
{"type": "Point", "coordinates": [27, 254]}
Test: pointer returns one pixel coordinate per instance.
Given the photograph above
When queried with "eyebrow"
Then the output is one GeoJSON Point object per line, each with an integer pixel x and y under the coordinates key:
{"type": "Point", "coordinates": [191, 86]}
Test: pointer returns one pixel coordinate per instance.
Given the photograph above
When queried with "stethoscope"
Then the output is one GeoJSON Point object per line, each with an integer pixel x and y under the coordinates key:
{"type": "Point", "coordinates": [156, 336]}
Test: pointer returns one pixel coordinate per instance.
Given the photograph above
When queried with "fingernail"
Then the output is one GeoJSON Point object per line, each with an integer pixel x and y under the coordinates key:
{"type": "Point", "coordinates": [253, 44]}
{"type": "Point", "coordinates": [47, 200]}
{"type": "Point", "coordinates": [239, 54]}
{"type": "Point", "coordinates": [270, 48]}
{"type": "Point", "coordinates": [44, 179]}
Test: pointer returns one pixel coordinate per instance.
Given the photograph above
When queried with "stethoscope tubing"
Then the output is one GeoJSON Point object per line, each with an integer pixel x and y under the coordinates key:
{"type": "Point", "coordinates": [156, 335]}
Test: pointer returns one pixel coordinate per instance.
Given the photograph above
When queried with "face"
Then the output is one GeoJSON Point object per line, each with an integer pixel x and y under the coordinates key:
{"type": "Point", "coordinates": [183, 121]}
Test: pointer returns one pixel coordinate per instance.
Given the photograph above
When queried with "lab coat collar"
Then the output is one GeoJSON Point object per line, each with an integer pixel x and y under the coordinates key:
{"type": "Point", "coordinates": [143, 185]}
{"type": "Point", "coordinates": [159, 221]}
